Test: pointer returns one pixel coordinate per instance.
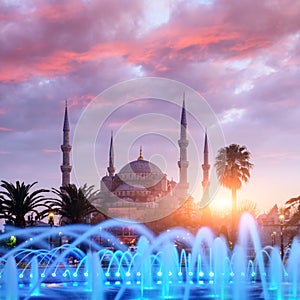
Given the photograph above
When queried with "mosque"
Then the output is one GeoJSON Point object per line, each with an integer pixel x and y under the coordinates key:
{"type": "Point", "coordinates": [140, 190]}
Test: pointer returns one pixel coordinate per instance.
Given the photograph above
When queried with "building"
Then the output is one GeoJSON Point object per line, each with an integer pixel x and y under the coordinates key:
{"type": "Point", "coordinates": [140, 190]}
{"type": "Point", "coordinates": [276, 229]}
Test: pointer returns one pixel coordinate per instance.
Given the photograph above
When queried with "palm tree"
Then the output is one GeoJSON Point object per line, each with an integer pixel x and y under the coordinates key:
{"type": "Point", "coordinates": [293, 202]}
{"type": "Point", "coordinates": [292, 206]}
{"type": "Point", "coordinates": [233, 168]}
{"type": "Point", "coordinates": [247, 206]}
{"type": "Point", "coordinates": [16, 201]}
{"type": "Point", "coordinates": [73, 205]}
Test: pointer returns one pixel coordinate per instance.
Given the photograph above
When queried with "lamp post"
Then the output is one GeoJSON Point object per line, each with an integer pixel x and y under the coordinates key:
{"type": "Point", "coordinates": [281, 222]}
{"type": "Point", "coordinates": [60, 241]}
{"type": "Point", "coordinates": [51, 223]}
{"type": "Point", "coordinates": [273, 235]}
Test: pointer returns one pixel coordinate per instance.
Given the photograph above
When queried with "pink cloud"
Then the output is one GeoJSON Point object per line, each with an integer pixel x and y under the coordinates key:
{"type": "Point", "coordinates": [62, 35]}
{"type": "Point", "coordinates": [5, 129]}
{"type": "Point", "coordinates": [81, 101]}
{"type": "Point", "coordinates": [56, 38]}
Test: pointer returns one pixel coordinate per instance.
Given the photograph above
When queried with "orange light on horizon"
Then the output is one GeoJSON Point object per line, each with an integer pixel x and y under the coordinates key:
{"type": "Point", "coordinates": [221, 203]}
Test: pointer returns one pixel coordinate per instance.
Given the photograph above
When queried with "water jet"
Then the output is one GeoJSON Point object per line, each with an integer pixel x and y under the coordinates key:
{"type": "Point", "coordinates": [202, 267]}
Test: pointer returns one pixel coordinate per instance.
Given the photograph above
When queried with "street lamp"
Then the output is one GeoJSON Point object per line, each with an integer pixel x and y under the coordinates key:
{"type": "Point", "coordinates": [273, 235]}
{"type": "Point", "coordinates": [281, 222]}
{"type": "Point", "coordinates": [51, 223]}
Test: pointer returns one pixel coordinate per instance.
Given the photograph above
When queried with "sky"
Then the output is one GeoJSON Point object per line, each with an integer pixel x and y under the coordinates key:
{"type": "Point", "coordinates": [242, 57]}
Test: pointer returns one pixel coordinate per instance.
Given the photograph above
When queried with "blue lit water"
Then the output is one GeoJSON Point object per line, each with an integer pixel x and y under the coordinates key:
{"type": "Point", "coordinates": [174, 265]}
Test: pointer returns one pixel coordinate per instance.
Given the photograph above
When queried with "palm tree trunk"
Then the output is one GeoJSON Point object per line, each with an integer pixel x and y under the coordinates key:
{"type": "Point", "coordinates": [233, 216]}
{"type": "Point", "coordinates": [234, 208]}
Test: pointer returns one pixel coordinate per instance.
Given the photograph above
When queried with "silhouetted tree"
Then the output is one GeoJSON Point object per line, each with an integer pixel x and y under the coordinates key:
{"type": "Point", "coordinates": [73, 204]}
{"type": "Point", "coordinates": [247, 206]}
{"type": "Point", "coordinates": [233, 168]}
{"type": "Point", "coordinates": [292, 206]}
{"type": "Point", "coordinates": [16, 201]}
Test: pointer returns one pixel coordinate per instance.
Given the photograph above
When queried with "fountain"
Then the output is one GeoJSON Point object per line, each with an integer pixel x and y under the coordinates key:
{"type": "Point", "coordinates": [173, 265]}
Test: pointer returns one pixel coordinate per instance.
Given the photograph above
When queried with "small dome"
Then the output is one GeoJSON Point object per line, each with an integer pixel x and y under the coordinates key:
{"type": "Point", "coordinates": [107, 178]}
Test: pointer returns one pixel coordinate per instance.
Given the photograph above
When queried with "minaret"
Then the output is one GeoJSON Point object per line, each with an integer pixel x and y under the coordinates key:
{"type": "Point", "coordinates": [183, 143]}
{"type": "Point", "coordinates": [66, 149]}
{"type": "Point", "coordinates": [205, 167]}
{"type": "Point", "coordinates": [111, 168]}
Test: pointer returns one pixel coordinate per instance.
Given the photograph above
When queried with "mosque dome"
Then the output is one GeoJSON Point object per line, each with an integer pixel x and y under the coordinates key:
{"type": "Point", "coordinates": [142, 173]}
{"type": "Point", "coordinates": [106, 183]}
{"type": "Point", "coordinates": [140, 166]}
{"type": "Point", "coordinates": [107, 178]}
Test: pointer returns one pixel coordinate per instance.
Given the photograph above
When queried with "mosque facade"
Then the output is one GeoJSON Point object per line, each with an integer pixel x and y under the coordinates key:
{"type": "Point", "coordinates": [140, 190]}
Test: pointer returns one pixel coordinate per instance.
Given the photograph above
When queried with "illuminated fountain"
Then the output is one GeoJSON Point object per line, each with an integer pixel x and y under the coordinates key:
{"type": "Point", "coordinates": [174, 265]}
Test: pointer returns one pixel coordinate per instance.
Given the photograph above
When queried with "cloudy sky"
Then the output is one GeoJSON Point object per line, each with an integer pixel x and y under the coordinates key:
{"type": "Point", "coordinates": [242, 56]}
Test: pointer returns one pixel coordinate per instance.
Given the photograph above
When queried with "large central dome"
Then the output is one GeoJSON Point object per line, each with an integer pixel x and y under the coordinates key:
{"type": "Point", "coordinates": [140, 166]}
{"type": "Point", "coordinates": [141, 172]}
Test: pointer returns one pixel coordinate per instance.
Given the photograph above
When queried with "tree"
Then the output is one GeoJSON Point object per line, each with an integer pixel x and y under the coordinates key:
{"type": "Point", "coordinates": [73, 204]}
{"type": "Point", "coordinates": [292, 207]}
{"type": "Point", "coordinates": [16, 201]}
{"type": "Point", "coordinates": [293, 203]}
{"type": "Point", "coordinates": [233, 168]}
{"type": "Point", "coordinates": [247, 206]}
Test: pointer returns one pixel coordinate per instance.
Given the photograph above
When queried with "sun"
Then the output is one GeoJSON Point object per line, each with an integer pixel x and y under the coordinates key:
{"type": "Point", "coordinates": [221, 202]}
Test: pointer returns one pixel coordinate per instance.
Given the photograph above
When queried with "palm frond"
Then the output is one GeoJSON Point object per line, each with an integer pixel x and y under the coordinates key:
{"type": "Point", "coordinates": [17, 201]}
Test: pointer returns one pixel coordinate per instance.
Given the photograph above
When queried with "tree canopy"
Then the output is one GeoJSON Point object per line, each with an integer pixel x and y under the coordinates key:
{"type": "Point", "coordinates": [16, 201]}
{"type": "Point", "coordinates": [73, 204]}
{"type": "Point", "coordinates": [233, 168]}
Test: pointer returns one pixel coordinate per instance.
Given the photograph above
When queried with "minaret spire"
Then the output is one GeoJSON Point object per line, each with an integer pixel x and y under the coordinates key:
{"type": "Point", "coordinates": [205, 167]}
{"type": "Point", "coordinates": [183, 144]}
{"type": "Point", "coordinates": [66, 119]}
{"type": "Point", "coordinates": [204, 203]}
{"type": "Point", "coordinates": [111, 168]}
{"type": "Point", "coordinates": [66, 149]}
{"type": "Point", "coordinates": [183, 114]}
